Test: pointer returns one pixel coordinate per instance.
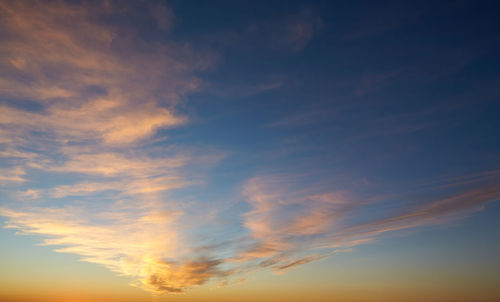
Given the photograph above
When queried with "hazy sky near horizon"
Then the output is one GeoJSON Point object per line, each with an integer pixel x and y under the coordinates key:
{"type": "Point", "coordinates": [249, 150]}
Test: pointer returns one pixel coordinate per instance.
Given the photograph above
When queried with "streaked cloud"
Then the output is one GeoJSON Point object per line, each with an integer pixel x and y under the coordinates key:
{"type": "Point", "coordinates": [289, 226]}
{"type": "Point", "coordinates": [83, 102]}
{"type": "Point", "coordinates": [104, 119]}
{"type": "Point", "coordinates": [93, 79]}
{"type": "Point", "coordinates": [134, 243]}
{"type": "Point", "coordinates": [288, 33]}
{"type": "Point", "coordinates": [8, 175]}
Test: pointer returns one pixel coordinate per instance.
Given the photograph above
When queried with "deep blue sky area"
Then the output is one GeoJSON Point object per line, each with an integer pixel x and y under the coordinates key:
{"type": "Point", "coordinates": [413, 81]}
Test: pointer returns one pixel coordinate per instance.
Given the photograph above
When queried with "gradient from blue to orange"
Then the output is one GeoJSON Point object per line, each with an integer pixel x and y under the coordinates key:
{"type": "Point", "coordinates": [257, 151]}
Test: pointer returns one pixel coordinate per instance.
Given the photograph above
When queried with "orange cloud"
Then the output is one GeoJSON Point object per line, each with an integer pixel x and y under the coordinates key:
{"type": "Point", "coordinates": [99, 94]}
{"type": "Point", "coordinates": [95, 81]}
{"type": "Point", "coordinates": [133, 245]}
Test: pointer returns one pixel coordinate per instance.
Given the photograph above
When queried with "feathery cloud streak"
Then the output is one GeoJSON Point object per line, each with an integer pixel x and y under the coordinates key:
{"type": "Point", "coordinates": [291, 226]}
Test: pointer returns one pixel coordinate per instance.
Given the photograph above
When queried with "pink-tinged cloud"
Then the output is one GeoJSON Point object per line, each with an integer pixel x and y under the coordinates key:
{"type": "Point", "coordinates": [290, 227]}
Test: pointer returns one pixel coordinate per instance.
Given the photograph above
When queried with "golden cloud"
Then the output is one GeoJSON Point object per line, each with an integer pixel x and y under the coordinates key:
{"type": "Point", "coordinates": [82, 97]}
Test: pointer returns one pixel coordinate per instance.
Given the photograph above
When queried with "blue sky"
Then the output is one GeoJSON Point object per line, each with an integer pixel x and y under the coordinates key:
{"type": "Point", "coordinates": [187, 145]}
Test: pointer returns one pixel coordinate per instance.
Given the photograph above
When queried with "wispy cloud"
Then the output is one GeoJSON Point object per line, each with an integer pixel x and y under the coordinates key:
{"type": "Point", "coordinates": [9, 175]}
{"type": "Point", "coordinates": [136, 243]}
{"type": "Point", "coordinates": [289, 227]}
{"type": "Point", "coordinates": [92, 79]}
{"type": "Point", "coordinates": [301, 29]}
{"type": "Point", "coordinates": [291, 33]}
{"type": "Point", "coordinates": [101, 94]}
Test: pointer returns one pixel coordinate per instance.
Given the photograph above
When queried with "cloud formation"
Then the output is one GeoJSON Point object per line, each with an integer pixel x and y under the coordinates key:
{"type": "Point", "coordinates": [82, 102]}
{"type": "Point", "coordinates": [85, 160]}
{"type": "Point", "coordinates": [92, 80]}
{"type": "Point", "coordinates": [290, 227]}
{"type": "Point", "coordinates": [132, 242]}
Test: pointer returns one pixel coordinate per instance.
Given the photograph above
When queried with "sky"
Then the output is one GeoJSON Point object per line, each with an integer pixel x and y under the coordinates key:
{"type": "Point", "coordinates": [249, 151]}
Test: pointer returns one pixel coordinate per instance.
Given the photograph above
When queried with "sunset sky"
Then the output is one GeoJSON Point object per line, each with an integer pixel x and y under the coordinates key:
{"type": "Point", "coordinates": [249, 151]}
